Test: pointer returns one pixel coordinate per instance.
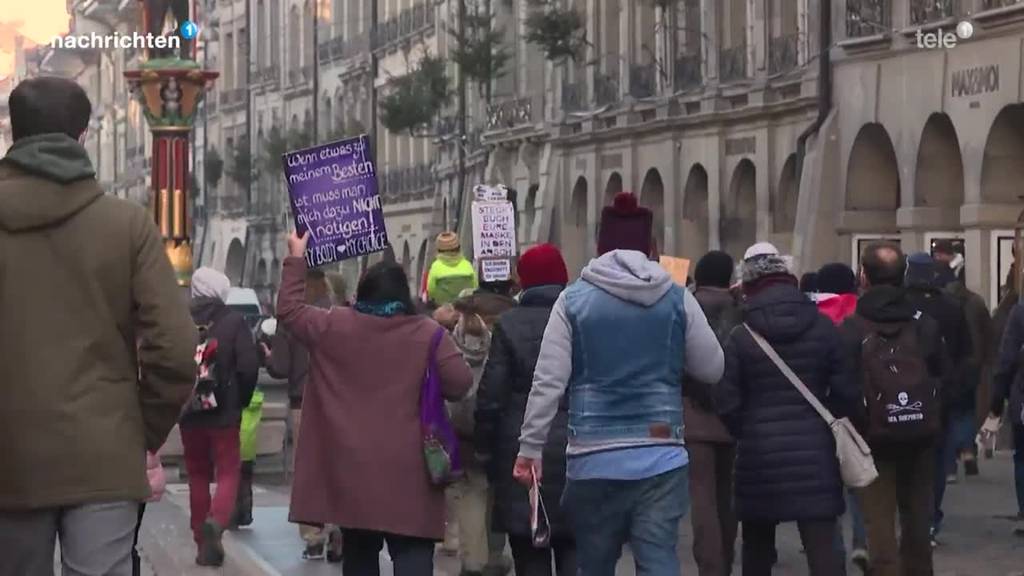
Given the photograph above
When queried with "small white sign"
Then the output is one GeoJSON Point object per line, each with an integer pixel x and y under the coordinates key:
{"type": "Point", "coordinates": [484, 193]}
{"type": "Point", "coordinates": [496, 270]}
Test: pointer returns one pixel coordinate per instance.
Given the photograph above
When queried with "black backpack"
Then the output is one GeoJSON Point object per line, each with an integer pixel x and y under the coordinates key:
{"type": "Point", "coordinates": [901, 396]}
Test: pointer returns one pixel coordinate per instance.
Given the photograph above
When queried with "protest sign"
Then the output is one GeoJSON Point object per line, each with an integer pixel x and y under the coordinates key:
{"type": "Point", "coordinates": [333, 194]}
{"type": "Point", "coordinates": [496, 270]}
{"type": "Point", "coordinates": [678, 268]}
{"type": "Point", "coordinates": [494, 232]}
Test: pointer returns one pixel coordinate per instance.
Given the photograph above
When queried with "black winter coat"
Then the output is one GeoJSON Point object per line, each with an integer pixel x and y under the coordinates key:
{"type": "Point", "coordinates": [786, 466]}
{"type": "Point", "coordinates": [237, 361]}
{"type": "Point", "coordinates": [960, 382]}
{"type": "Point", "coordinates": [501, 406]}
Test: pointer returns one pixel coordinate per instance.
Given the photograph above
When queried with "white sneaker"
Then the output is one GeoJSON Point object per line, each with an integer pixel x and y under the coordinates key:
{"type": "Point", "coordinates": [860, 559]}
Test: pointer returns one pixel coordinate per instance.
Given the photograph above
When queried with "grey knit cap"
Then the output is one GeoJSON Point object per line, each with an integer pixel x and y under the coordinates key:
{"type": "Point", "coordinates": [764, 265]}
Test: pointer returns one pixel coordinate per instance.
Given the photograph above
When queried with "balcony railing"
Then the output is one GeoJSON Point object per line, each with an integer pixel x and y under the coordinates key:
{"type": "Point", "coordinates": [688, 72]}
{"type": "Point", "coordinates": [606, 88]}
{"type": "Point", "coordinates": [868, 17]}
{"type": "Point", "coordinates": [402, 181]}
{"type": "Point", "coordinates": [573, 96]}
{"type": "Point", "coordinates": [993, 4]}
{"type": "Point", "coordinates": [510, 113]}
{"type": "Point", "coordinates": [732, 63]}
{"type": "Point", "coordinates": [299, 76]}
{"type": "Point", "coordinates": [783, 53]}
{"type": "Point", "coordinates": [232, 97]}
{"type": "Point", "coordinates": [925, 11]}
{"type": "Point", "coordinates": [268, 75]}
{"type": "Point", "coordinates": [643, 80]}
{"type": "Point", "coordinates": [408, 22]}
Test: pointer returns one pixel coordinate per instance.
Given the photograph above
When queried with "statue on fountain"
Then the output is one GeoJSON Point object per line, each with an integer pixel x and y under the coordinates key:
{"type": "Point", "coordinates": [154, 20]}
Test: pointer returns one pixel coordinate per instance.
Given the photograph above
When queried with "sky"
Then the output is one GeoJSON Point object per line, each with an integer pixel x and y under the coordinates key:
{"type": "Point", "coordinates": [38, 20]}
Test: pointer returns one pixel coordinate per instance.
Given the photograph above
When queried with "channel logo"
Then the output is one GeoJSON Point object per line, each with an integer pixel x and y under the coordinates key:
{"type": "Point", "coordinates": [188, 30]}
{"type": "Point", "coordinates": [944, 39]}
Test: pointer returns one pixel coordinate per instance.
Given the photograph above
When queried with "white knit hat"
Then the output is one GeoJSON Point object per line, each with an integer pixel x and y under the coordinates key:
{"type": "Point", "coordinates": [761, 249]}
{"type": "Point", "coordinates": [210, 283]}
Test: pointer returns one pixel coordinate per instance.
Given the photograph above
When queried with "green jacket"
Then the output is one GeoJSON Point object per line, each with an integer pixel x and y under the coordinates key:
{"type": "Point", "coordinates": [88, 301]}
{"type": "Point", "coordinates": [449, 276]}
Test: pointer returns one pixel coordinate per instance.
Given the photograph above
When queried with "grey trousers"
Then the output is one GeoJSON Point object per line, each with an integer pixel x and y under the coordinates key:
{"type": "Point", "coordinates": [95, 540]}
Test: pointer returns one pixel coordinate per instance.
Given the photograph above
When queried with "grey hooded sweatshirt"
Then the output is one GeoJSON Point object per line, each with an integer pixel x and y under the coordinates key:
{"type": "Point", "coordinates": [631, 277]}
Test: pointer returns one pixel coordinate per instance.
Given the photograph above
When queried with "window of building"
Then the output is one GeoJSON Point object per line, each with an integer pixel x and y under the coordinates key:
{"type": "Point", "coordinates": [294, 39]}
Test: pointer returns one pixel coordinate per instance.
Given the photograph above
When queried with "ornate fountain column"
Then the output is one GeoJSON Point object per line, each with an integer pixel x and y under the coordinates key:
{"type": "Point", "coordinates": [170, 89]}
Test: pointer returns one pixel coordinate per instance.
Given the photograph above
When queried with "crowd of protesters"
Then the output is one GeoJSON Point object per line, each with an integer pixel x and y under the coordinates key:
{"type": "Point", "coordinates": [613, 404]}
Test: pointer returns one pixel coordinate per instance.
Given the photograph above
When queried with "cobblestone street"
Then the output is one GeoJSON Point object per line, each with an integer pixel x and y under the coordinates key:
{"type": "Point", "coordinates": [976, 541]}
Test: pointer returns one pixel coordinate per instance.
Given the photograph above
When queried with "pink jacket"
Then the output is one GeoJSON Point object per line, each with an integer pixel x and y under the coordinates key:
{"type": "Point", "coordinates": [157, 478]}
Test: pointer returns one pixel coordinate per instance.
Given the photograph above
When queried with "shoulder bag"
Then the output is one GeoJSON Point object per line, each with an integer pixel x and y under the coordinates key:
{"type": "Point", "coordinates": [856, 465]}
{"type": "Point", "coordinates": [440, 445]}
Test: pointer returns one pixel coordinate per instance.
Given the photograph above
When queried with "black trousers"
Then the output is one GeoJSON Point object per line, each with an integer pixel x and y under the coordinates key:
{"type": "Point", "coordinates": [818, 537]}
{"type": "Point", "coordinates": [136, 559]}
{"type": "Point", "coordinates": [530, 561]}
{"type": "Point", "coordinates": [361, 550]}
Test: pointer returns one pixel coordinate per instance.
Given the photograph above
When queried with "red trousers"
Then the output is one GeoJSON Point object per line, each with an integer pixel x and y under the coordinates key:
{"type": "Point", "coordinates": [211, 453]}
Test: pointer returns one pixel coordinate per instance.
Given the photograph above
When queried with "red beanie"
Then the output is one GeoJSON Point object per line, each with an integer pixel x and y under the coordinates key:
{"type": "Point", "coordinates": [542, 265]}
{"type": "Point", "coordinates": [625, 225]}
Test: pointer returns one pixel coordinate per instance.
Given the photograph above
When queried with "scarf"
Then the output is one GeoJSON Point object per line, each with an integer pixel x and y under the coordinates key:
{"type": "Point", "coordinates": [381, 309]}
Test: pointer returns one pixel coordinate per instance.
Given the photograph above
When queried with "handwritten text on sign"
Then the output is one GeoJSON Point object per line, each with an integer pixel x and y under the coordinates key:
{"type": "Point", "coordinates": [494, 230]}
{"type": "Point", "coordinates": [333, 193]}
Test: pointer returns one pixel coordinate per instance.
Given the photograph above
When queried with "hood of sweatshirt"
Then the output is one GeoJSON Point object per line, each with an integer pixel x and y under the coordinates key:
{"type": "Point", "coordinates": [52, 181]}
{"type": "Point", "coordinates": [886, 304]}
{"type": "Point", "coordinates": [629, 275]}
{"type": "Point", "coordinates": [838, 307]}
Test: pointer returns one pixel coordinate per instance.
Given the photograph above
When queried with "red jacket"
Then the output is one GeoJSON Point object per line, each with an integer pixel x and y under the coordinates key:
{"type": "Point", "coordinates": [838, 307]}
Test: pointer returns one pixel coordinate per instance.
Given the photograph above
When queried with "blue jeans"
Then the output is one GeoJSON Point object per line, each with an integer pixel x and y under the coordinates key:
{"type": "Point", "coordinates": [1018, 464]}
{"type": "Point", "coordinates": [958, 436]}
{"type": "Point", "coordinates": [606, 514]}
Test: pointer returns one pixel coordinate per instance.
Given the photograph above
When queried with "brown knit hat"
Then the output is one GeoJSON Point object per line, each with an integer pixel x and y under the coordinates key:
{"type": "Point", "coordinates": [448, 242]}
{"type": "Point", "coordinates": [625, 225]}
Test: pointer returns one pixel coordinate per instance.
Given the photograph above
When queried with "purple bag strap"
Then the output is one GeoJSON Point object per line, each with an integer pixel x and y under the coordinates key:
{"type": "Point", "coordinates": [434, 345]}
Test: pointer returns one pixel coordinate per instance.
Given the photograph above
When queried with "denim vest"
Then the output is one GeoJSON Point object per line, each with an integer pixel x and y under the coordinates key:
{"type": "Point", "coordinates": [627, 370]}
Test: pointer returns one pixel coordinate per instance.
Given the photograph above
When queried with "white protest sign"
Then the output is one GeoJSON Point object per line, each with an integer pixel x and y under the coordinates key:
{"type": "Point", "coordinates": [484, 193]}
{"type": "Point", "coordinates": [496, 270]}
{"type": "Point", "coordinates": [494, 230]}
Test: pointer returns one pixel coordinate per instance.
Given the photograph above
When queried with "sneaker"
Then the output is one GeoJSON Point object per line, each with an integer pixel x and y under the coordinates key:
{"type": "Point", "coordinates": [952, 479]}
{"type": "Point", "coordinates": [314, 552]}
{"type": "Point", "coordinates": [934, 538]}
{"type": "Point", "coordinates": [211, 550]}
{"type": "Point", "coordinates": [334, 548]}
{"type": "Point", "coordinates": [859, 557]}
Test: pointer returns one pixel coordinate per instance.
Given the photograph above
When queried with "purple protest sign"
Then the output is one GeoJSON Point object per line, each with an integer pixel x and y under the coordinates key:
{"type": "Point", "coordinates": [333, 192]}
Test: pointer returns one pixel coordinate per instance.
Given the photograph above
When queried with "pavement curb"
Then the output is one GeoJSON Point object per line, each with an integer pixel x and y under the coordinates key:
{"type": "Point", "coordinates": [166, 543]}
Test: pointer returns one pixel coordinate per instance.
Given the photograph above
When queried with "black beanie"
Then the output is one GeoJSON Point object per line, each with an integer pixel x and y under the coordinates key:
{"type": "Point", "coordinates": [714, 270]}
{"type": "Point", "coordinates": [809, 283]}
{"type": "Point", "coordinates": [837, 278]}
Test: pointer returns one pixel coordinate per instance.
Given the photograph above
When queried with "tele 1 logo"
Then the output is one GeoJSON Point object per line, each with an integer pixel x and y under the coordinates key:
{"type": "Point", "coordinates": [941, 39]}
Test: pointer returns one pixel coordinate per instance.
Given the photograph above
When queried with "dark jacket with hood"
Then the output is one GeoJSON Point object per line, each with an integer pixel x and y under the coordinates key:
{"type": "Point", "coordinates": [501, 406]}
{"type": "Point", "coordinates": [237, 363]}
{"type": "Point", "coordinates": [289, 360]}
{"type": "Point", "coordinates": [891, 306]}
{"type": "Point", "coordinates": [702, 424]}
{"type": "Point", "coordinates": [960, 381]}
{"type": "Point", "coordinates": [89, 301]}
{"type": "Point", "coordinates": [1008, 379]}
{"type": "Point", "coordinates": [786, 466]}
